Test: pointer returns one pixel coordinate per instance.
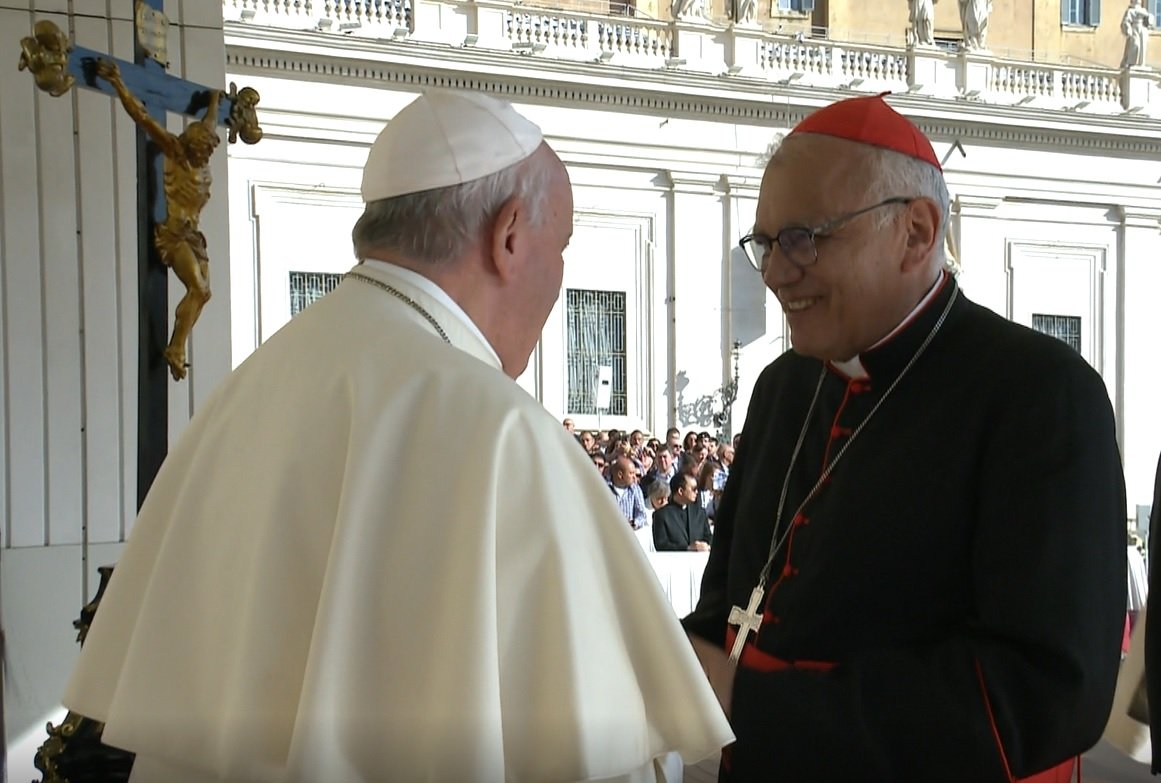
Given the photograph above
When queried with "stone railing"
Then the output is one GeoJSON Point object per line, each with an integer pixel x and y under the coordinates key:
{"type": "Point", "coordinates": [732, 50]}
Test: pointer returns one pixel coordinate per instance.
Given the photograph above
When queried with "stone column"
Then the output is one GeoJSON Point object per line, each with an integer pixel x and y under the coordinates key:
{"type": "Point", "coordinates": [1140, 325]}
{"type": "Point", "coordinates": [695, 314]}
{"type": "Point", "coordinates": [755, 317]}
{"type": "Point", "coordinates": [979, 240]}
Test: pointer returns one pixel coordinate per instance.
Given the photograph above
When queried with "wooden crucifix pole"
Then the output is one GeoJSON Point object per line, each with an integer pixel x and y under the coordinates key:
{"type": "Point", "coordinates": [152, 285]}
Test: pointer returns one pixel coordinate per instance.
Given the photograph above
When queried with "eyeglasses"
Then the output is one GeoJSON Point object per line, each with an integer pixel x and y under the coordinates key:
{"type": "Point", "coordinates": [797, 242]}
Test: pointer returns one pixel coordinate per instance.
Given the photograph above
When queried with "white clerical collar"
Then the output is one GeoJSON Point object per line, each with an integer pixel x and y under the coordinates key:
{"type": "Point", "coordinates": [853, 367]}
{"type": "Point", "coordinates": [429, 287]}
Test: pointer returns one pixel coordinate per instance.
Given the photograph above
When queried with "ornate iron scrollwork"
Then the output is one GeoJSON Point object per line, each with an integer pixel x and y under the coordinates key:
{"type": "Point", "coordinates": [73, 752]}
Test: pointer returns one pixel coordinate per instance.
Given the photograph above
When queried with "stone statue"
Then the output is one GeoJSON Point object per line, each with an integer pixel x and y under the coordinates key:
{"type": "Point", "coordinates": [690, 9]}
{"type": "Point", "coordinates": [744, 11]}
{"type": "Point", "coordinates": [973, 16]}
{"type": "Point", "coordinates": [1135, 26]}
{"type": "Point", "coordinates": [922, 22]}
{"type": "Point", "coordinates": [186, 177]}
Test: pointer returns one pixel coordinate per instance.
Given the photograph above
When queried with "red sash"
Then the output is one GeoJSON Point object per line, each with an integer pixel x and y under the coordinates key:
{"type": "Point", "coordinates": [753, 658]}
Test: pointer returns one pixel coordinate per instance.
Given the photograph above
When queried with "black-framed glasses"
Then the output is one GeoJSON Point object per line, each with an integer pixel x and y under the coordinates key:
{"type": "Point", "coordinates": [797, 242]}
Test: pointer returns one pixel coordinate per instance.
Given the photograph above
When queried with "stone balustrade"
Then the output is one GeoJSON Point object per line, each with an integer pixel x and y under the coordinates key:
{"type": "Point", "coordinates": [703, 47]}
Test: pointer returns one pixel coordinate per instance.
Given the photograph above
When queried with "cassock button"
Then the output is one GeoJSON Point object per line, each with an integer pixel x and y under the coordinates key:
{"type": "Point", "coordinates": [789, 570]}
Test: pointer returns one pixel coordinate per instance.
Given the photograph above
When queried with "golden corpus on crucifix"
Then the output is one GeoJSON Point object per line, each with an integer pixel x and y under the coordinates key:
{"type": "Point", "coordinates": [180, 244]}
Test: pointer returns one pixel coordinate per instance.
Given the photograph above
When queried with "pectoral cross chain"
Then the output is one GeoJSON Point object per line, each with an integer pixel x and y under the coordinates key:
{"type": "Point", "coordinates": [747, 620]}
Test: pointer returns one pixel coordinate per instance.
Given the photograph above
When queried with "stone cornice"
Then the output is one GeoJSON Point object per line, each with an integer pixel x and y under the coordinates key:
{"type": "Point", "coordinates": [1140, 217]}
{"type": "Point", "coordinates": [412, 65]}
{"type": "Point", "coordinates": [742, 185]}
{"type": "Point", "coordinates": [969, 205]}
{"type": "Point", "coordinates": [694, 183]}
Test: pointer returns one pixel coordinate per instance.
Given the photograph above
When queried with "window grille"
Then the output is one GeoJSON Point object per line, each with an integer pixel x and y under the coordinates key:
{"type": "Point", "coordinates": [306, 287]}
{"type": "Point", "coordinates": [1063, 327]}
{"type": "Point", "coordinates": [597, 325]}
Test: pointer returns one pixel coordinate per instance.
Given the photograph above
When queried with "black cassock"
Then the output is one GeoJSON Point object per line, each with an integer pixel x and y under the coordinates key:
{"type": "Point", "coordinates": [675, 527]}
{"type": "Point", "coordinates": [954, 599]}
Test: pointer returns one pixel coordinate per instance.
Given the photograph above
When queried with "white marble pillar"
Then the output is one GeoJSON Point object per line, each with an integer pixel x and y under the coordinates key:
{"type": "Point", "coordinates": [696, 297]}
{"type": "Point", "coordinates": [756, 320]}
{"type": "Point", "coordinates": [979, 239]}
{"type": "Point", "coordinates": [1141, 264]}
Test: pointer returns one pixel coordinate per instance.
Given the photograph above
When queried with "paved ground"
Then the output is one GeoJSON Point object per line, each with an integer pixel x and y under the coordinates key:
{"type": "Point", "coordinates": [1102, 764]}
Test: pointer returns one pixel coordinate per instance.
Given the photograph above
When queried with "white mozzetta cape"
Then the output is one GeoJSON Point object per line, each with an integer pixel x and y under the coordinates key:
{"type": "Point", "coordinates": [372, 556]}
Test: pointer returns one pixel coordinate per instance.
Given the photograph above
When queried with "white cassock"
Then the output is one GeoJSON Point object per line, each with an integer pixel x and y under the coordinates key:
{"type": "Point", "coordinates": [360, 563]}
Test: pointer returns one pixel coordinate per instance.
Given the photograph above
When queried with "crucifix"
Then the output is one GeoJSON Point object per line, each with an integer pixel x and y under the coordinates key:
{"type": "Point", "coordinates": [173, 186]}
{"type": "Point", "coordinates": [748, 619]}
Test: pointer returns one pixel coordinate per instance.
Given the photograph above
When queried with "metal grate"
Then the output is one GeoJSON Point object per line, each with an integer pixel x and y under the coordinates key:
{"type": "Point", "coordinates": [306, 287]}
{"type": "Point", "coordinates": [1063, 327]}
{"type": "Point", "coordinates": [596, 337]}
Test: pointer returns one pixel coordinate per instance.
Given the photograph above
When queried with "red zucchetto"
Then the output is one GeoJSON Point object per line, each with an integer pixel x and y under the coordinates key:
{"type": "Point", "coordinates": [869, 120]}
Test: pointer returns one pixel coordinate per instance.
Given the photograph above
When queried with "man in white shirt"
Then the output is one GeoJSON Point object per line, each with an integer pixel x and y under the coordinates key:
{"type": "Point", "coordinates": [627, 492]}
{"type": "Point", "coordinates": [292, 606]}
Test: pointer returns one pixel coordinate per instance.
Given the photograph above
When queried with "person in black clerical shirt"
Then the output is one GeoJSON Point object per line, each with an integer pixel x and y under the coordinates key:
{"type": "Point", "coordinates": [682, 524]}
{"type": "Point", "coordinates": [919, 556]}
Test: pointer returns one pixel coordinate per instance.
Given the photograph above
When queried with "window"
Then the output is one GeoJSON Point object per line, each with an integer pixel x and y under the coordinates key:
{"type": "Point", "coordinates": [1081, 12]}
{"type": "Point", "coordinates": [306, 287]}
{"type": "Point", "coordinates": [596, 338]}
{"type": "Point", "coordinates": [1063, 327]}
{"type": "Point", "coordinates": [1155, 8]}
{"type": "Point", "coordinates": [803, 6]}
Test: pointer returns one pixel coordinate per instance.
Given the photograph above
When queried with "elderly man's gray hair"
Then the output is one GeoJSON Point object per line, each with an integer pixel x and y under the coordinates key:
{"type": "Point", "coordinates": [438, 226]}
{"type": "Point", "coordinates": [895, 174]}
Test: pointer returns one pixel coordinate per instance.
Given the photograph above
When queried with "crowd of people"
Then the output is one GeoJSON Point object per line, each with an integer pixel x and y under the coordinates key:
{"type": "Point", "coordinates": [688, 473]}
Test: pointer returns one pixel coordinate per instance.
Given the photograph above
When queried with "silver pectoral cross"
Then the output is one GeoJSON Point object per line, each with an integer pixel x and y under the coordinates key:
{"type": "Point", "coordinates": [748, 620]}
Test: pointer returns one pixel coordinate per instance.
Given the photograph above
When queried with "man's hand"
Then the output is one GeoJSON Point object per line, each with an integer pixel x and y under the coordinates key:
{"type": "Point", "coordinates": [699, 546]}
{"type": "Point", "coordinates": [108, 70]}
{"type": "Point", "coordinates": [718, 670]}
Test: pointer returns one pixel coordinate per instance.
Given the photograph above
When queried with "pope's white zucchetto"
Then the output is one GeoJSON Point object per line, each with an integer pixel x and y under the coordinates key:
{"type": "Point", "coordinates": [446, 138]}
